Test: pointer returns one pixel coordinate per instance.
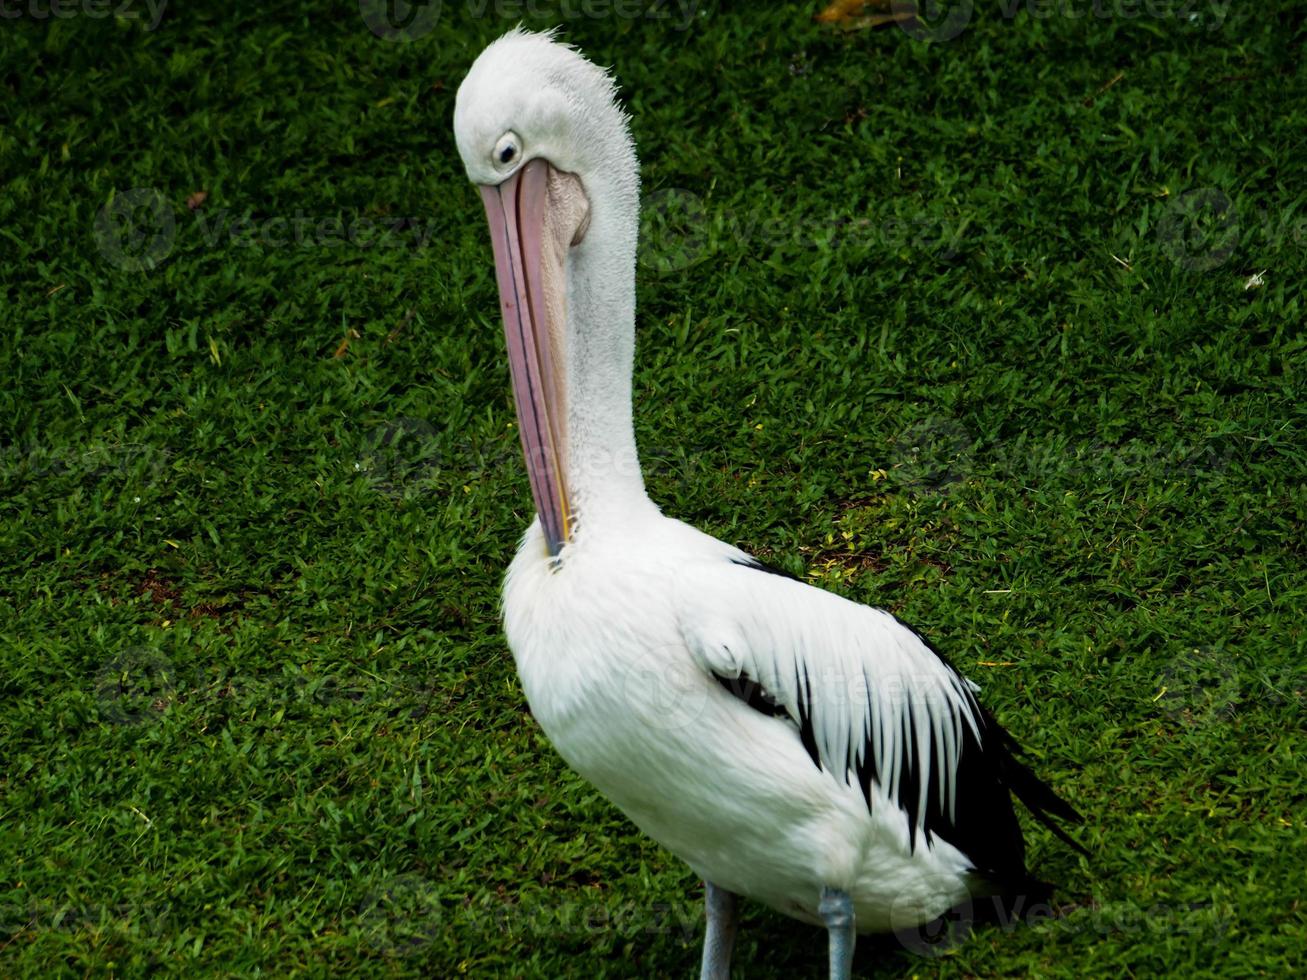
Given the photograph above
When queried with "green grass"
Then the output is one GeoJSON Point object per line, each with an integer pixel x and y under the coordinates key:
{"type": "Point", "coordinates": [960, 329]}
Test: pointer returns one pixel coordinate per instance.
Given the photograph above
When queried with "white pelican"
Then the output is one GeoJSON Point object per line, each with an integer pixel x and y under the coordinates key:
{"type": "Point", "coordinates": [818, 756]}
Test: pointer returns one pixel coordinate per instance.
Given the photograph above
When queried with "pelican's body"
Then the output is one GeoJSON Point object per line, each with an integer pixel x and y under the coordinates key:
{"type": "Point", "coordinates": [606, 657]}
{"type": "Point", "coordinates": [790, 745]}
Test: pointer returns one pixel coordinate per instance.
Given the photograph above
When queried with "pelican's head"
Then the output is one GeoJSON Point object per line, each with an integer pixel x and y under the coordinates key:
{"type": "Point", "coordinates": [530, 97]}
{"type": "Point", "coordinates": [540, 131]}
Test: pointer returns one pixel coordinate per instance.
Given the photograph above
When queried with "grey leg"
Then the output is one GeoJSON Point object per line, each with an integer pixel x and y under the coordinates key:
{"type": "Point", "coordinates": [836, 910]}
{"type": "Point", "coordinates": [719, 938]}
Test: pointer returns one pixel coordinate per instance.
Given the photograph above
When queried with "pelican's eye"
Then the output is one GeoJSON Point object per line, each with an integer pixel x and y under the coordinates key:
{"type": "Point", "coordinates": [507, 149]}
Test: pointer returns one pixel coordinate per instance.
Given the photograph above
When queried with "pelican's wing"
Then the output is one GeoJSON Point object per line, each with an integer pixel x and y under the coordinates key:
{"type": "Point", "coordinates": [872, 703]}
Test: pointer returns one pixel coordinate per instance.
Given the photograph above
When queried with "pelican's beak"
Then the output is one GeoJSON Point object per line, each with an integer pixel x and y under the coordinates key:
{"type": "Point", "coordinates": [535, 216]}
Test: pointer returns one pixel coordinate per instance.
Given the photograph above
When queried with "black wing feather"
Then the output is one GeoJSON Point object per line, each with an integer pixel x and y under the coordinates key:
{"type": "Point", "coordinates": [989, 774]}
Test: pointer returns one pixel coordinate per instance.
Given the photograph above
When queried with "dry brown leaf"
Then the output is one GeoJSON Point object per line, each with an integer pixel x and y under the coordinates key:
{"type": "Point", "coordinates": [849, 13]}
{"type": "Point", "coordinates": [350, 334]}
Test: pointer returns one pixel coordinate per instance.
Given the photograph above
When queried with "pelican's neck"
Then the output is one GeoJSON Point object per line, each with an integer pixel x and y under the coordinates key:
{"type": "Point", "coordinates": [603, 471]}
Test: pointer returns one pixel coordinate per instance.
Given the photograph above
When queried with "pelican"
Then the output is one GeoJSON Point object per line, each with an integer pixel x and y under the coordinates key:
{"type": "Point", "coordinates": [788, 744]}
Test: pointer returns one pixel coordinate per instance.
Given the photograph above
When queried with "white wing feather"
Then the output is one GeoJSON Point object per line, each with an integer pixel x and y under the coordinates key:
{"type": "Point", "coordinates": [857, 678]}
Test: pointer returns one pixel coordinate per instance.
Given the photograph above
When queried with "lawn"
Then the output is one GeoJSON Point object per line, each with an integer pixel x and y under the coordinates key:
{"type": "Point", "coordinates": [995, 322]}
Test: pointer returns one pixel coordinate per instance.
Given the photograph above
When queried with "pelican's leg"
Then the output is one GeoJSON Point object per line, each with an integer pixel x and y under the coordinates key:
{"type": "Point", "coordinates": [719, 937]}
{"type": "Point", "coordinates": [836, 910]}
